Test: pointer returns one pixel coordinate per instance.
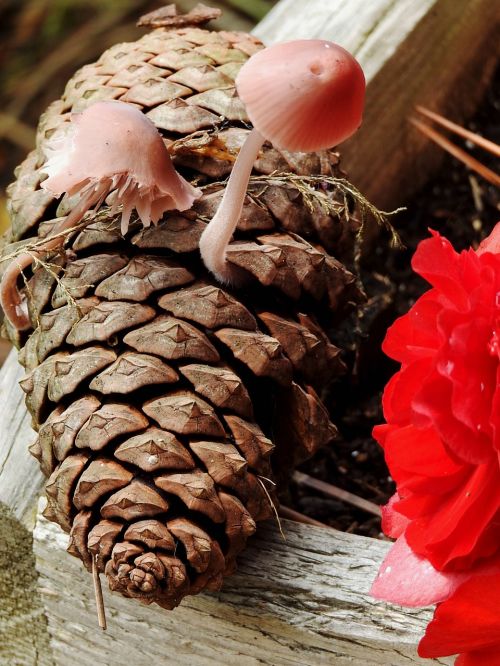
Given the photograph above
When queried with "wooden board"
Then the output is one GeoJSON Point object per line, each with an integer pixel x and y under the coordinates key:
{"type": "Point", "coordinates": [438, 53]}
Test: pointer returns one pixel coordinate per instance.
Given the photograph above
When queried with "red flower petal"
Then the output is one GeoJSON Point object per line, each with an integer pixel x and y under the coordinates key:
{"type": "Point", "coordinates": [438, 263]}
{"type": "Point", "coordinates": [409, 580]}
{"type": "Point", "coordinates": [469, 621]}
{"type": "Point", "coordinates": [492, 242]}
{"type": "Point", "coordinates": [393, 522]}
{"type": "Point", "coordinates": [463, 525]}
{"type": "Point", "coordinates": [415, 334]}
{"type": "Point", "coordinates": [480, 658]}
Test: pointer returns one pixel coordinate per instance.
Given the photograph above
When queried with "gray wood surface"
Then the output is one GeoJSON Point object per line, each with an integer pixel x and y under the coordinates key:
{"type": "Point", "coordinates": [437, 53]}
{"type": "Point", "coordinates": [299, 602]}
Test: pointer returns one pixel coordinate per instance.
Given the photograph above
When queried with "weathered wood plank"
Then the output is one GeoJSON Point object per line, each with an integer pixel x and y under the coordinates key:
{"type": "Point", "coordinates": [299, 601]}
{"type": "Point", "coordinates": [20, 487]}
{"type": "Point", "coordinates": [438, 53]}
{"type": "Point", "coordinates": [21, 481]}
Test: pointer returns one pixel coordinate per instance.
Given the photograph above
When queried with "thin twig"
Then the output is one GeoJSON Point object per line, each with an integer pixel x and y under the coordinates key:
{"type": "Point", "coordinates": [337, 493]}
{"type": "Point", "coordinates": [291, 514]}
{"type": "Point", "coordinates": [478, 140]}
{"type": "Point", "coordinates": [101, 613]}
{"type": "Point", "coordinates": [457, 152]}
{"type": "Point", "coordinates": [273, 506]}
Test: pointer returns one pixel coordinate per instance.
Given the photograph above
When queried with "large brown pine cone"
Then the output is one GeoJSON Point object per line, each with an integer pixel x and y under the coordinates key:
{"type": "Point", "coordinates": [157, 394]}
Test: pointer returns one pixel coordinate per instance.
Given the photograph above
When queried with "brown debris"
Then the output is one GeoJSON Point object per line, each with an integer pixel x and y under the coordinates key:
{"type": "Point", "coordinates": [167, 17]}
{"type": "Point", "coordinates": [155, 450]}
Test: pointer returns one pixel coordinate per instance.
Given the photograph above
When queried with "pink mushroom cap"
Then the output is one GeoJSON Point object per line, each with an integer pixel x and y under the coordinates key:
{"type": "Point", "coordinates": [113, 147]}
{"type": "Point", "coordinates": [304, 95]}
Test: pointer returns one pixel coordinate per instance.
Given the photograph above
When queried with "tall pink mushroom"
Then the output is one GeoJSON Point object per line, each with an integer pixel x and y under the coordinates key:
{"type": "Point", "coordinates": [304, 95]}
{"type": "Point", "coordinates": [110, 148]}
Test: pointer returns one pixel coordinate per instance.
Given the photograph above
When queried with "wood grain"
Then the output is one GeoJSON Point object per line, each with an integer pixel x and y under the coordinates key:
{"type": "Point", "coordinates": [294, 602]}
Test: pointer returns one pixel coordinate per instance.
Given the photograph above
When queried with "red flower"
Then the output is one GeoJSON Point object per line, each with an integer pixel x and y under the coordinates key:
{"type": "Point", "coordinates": [442, 436]}
{"type": "Point", "coordinates": [468, 622]}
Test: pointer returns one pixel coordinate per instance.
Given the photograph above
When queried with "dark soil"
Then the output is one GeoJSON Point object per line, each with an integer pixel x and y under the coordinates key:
{"type": "Point", "coordinates": [462, 207]}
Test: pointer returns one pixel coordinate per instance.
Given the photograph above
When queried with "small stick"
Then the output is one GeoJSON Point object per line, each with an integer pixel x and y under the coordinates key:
{"type": "Point", "coordinates": [101, 614]}
{"type": "Point", "coordinates": [457, 152]}
{"type": "Point", "coordinates": [291, 514]}
{"type": "Point", "coordinates": [337, 493]}
{"type": "Point", "coordinates": [480, 141]}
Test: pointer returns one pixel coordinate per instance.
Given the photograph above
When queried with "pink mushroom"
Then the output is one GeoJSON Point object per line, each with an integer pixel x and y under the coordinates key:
{"type": "Point", "coordinates": [110, 148]}
{"type": "Point", "coordinates": [304, 95]}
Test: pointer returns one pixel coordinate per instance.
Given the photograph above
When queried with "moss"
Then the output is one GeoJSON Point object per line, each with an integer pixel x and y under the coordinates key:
{"type": "Point", "coordinates": [24, 639]}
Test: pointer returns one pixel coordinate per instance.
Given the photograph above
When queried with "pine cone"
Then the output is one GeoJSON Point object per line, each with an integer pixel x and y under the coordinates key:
{"type": "Point", "coordinates": [157, 394]}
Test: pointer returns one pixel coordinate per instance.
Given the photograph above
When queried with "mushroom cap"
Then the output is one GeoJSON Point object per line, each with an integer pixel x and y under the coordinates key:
{"type": "Point", "coordinates": [114, 145]}
{"type": "Point", "coordinates": [303, 95]}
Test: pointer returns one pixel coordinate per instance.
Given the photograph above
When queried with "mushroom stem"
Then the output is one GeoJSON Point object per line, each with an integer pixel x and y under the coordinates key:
{"type": "Point", "coordinates": [12, 301]}
{"type": "Point", "coordinates": [215, 239]}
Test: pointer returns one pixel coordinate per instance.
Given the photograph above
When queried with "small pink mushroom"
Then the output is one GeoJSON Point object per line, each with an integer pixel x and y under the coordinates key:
{"type": "Point", "coordinates": [110, 148]}
{"type": "Point", "coordinates": [304, 95]}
